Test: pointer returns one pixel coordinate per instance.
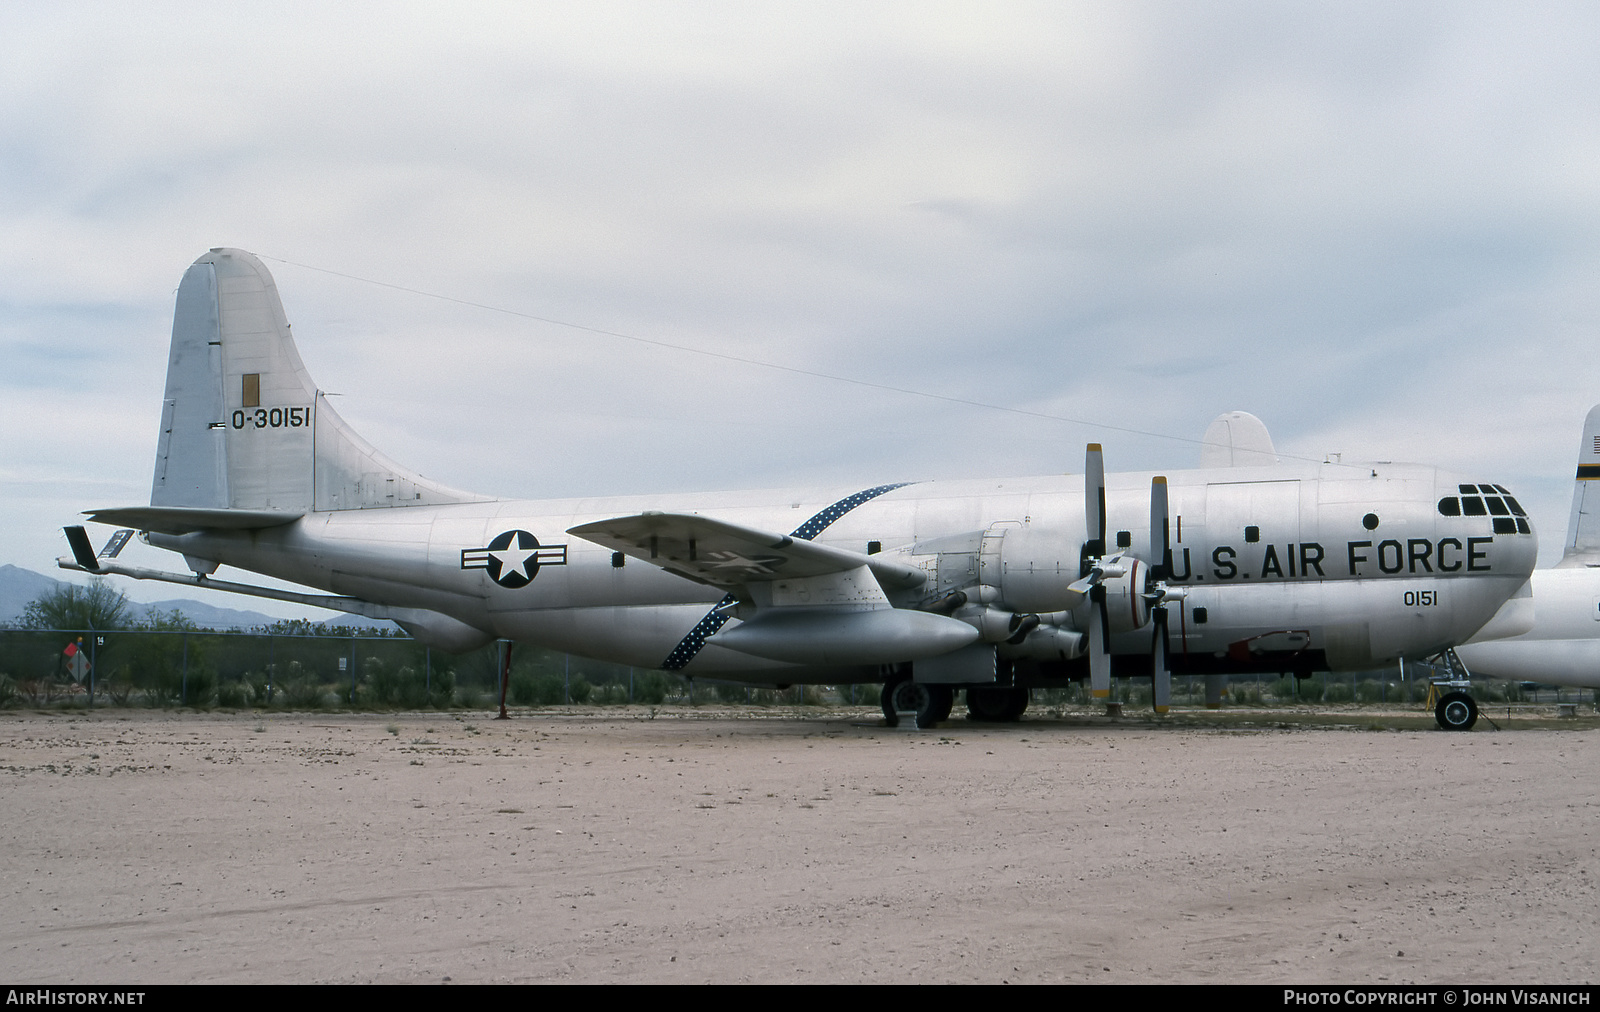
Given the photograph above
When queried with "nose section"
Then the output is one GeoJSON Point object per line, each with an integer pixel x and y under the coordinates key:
{"type": "Point", "coordinates": [1488, 519]}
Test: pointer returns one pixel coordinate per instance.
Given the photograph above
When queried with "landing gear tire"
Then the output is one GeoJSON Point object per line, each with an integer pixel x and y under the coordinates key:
{"type": "Point", "coordinates": [995, 704]}
{"type": "Point", "coordinates": [1456, 711]}
{"type": "Point", "coordinates": [931, 703]}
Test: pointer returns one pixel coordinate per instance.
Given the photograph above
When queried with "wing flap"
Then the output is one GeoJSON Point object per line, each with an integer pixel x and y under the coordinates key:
{"type": "Point", "coordinates": [729, 555]}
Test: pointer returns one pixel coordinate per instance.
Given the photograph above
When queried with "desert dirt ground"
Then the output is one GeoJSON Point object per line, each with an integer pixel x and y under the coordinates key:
{"type": "Point", "coordinates": [723, 845]}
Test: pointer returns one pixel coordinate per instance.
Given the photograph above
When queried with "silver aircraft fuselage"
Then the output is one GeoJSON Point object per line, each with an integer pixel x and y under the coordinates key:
{"type": "Point", "coordinates": [1286, 567]}
{"type": "Point", "coordinates": [1292, 566]}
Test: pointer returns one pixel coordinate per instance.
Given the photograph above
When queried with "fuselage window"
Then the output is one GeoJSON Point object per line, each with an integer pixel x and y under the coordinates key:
{"type": "Point", "coordinates": [1516, 507]}
{"type": "Point", "coordinates": [1450, 506]}
{"type": "Point", "coordinates": [1473, 507]}
{"type": "Point", "coordinates": [1497, 505]}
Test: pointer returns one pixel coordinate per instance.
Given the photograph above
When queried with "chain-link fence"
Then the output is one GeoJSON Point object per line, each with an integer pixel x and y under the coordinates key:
{"type": "Point", "coordinates": [311, 670]}
{"type": "Point", "coordinates": [308, 669]}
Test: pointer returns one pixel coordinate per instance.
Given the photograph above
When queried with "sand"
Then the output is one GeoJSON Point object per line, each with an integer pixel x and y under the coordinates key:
{"type": "Point", "coordinates": [713, 845]}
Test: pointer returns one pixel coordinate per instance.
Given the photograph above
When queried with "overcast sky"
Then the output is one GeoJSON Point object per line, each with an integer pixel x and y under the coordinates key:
{"type": "Point", "coordinates": [1372, 225]}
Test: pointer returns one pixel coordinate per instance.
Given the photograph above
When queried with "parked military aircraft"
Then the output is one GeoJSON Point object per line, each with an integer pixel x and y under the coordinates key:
{"type": "Point", "coordinates": [1563, 645]}
{"type": "Point", "coordinates": [987, 586]}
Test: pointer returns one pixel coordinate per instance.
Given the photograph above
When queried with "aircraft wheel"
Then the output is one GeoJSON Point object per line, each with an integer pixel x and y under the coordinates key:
{"type": "Point", "coordinates": [931, 703]}
{"type": "Point", "coordinates": [941, 699]}
{"type": "Point", "coordinates": [886, 699]}
{"type": "Point", "coordinates": [1018, 704]}
{"type": "Point", "coordinates": [996, 704]}
{"type": "Point", "coordinates": [1456, 711]}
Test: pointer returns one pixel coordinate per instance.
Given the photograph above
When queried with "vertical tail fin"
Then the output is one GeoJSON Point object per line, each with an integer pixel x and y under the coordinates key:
{"type": "Point", "coordinates": [244, 427]}
{"type": "Point", "coordinates": [1237, 439]}
{"type": "Point", "coordinates": [1583, 527]}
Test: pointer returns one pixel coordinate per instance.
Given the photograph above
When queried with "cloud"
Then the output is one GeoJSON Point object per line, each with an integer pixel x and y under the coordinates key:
{"type": "Point", "coordinates": [1371, 226]}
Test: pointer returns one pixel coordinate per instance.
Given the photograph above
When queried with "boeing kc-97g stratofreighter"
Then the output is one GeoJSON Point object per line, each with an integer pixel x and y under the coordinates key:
{"type": "Point", "coordinates": [930, 587]}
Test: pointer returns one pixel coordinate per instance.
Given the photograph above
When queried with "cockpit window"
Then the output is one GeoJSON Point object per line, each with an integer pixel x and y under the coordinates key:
{"type": "Point", "coordinates": [1488, 501]}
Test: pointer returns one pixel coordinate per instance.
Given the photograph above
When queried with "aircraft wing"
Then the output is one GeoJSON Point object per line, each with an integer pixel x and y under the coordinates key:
{"type": "Point", "coordinates": [183, 519]}
{"type": "Point", "coordinates": [727, 555]}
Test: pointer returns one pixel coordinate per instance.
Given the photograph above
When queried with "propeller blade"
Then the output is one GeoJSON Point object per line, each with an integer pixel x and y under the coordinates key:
{"type": "Point", "coordinates": [1161, 676]}
{"type": "Point", "coordinates": [1160, 530]}
{"type": "Point", "coordinates": [1099, 659]}
{"type": "Point", "coordinates": [1094, 499]}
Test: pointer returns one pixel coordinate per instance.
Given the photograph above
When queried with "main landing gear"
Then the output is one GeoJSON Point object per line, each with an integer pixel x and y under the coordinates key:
{"type": "Point", "coordinates": [996, 704]}
{"type": "Point", "coordinates": [927, 705]}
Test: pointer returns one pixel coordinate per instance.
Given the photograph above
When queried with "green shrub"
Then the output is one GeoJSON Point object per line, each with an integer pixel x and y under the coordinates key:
{"type": "Point", "coordinates": [650, 688]}
{"type": "Point", "coordinates": [232, 694]}
{"type": "Point", "coordinates": [579, 690]}
{"type": "Point", "coordinates": [611, 694]}
{"type": "Point", "coordinates": [199, 688]}
{"type": "Point", "coordinates": [301, 689]}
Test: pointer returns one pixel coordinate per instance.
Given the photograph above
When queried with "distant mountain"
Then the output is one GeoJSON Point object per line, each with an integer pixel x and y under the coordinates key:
{"type": "Point", "coordinates": [19, 587]}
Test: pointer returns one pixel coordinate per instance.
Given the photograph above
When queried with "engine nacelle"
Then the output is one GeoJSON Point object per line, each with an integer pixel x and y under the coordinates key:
{"type": "Point", "coordinates": [1036, 566]}
{"type": "Point", "coordinates": [1127, 606]}
{"type": "Point", "coordinates": [1048, 643]}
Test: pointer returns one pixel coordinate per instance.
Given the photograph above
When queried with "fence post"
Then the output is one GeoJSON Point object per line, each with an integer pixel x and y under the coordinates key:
{"type": "Point", "coordinates": [183, 687]}
{"type": "Point", "coordinates": [352, 669]}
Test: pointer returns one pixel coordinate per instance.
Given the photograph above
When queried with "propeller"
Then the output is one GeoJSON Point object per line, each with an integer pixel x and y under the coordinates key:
{"type": "Point", "coordinates": [1161, 548]}
{"type": "Point", "coordinates": [1142, 587]}
{"type": "Point", "coordinates": [1096, 568]}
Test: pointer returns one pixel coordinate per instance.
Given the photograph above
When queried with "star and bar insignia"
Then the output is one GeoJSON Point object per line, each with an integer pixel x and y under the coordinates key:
{"type": "Point", "coordinates": [513, 558]}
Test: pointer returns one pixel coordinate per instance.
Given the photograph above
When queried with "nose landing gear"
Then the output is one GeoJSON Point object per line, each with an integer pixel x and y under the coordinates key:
{"type": "Point", "coordinates": [1454, 710]}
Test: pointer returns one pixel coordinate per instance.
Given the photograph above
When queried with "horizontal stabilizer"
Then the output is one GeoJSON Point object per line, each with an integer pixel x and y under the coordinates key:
{"type": "Point", "coordinates": [728, 555]}
{"type": "Point", "coordinates": [430, 628]}
{"type": "Point", "coordinates": [183, 519]}
{"type": "Point", "coordinates": [82, 550]}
